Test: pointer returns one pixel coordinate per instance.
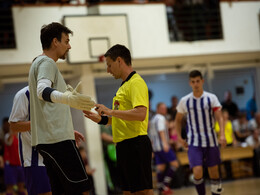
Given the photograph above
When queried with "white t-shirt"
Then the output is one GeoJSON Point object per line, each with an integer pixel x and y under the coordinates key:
{"type": "Point", "coordinates": [156, 125]}
{"type": "Point", "coordinates": [250, 140]}
{"type": "Point", "coordinates": [252, 124]}
{"type": "Point", "coordinates": [50, 122]}
{"type": "Point", "coordinates": [239, 127]}
{"type": "Point", "coordinates": [20, 112]}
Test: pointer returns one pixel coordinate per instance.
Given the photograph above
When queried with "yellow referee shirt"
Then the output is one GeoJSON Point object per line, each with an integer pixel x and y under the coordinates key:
{"type": "Point", "coordinates": [132, 93]}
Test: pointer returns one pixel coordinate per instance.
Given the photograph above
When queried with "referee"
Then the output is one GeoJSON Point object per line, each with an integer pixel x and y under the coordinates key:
{"type": "Point", "coordinates": [129, 120]}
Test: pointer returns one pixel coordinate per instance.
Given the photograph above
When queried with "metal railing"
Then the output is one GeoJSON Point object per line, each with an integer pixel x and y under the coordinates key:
{"type": "Point", "coordinates": [191, 22]}
{"type": "Point", "coordinates": [187, 21]}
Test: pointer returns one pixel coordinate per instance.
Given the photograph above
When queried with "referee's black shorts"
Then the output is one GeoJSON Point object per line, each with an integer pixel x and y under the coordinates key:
{"type": "Point", "coordinates": [65, 168]}
{"type": "Point", "coordinates": [134, 163]}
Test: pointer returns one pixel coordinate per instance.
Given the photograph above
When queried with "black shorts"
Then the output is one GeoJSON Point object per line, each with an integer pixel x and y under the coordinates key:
{"type": "Point", "coordinates": [65, 168]}
{"type": "Point", "coordinates": [134, 163]}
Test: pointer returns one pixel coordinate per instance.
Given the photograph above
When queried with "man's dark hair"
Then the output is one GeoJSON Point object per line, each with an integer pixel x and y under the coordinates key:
{"type": "Point", "coordinates": [119, 51]}
{"type": "Point", "coordinates": [51, 31]}
{"type": "Point", "coordinates": [195, 73]}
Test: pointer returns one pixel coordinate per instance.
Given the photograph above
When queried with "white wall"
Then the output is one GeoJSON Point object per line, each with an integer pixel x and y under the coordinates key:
{"type": "Point", "coordinates": [27, 24]}
{"type": "Point", "coordinates": [147, 28]}
{"type": "Point", "coordinates": [149, 33]}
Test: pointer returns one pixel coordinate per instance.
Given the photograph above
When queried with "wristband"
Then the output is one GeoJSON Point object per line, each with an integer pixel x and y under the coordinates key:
{"type": "Point", "coordinates": [103, 121]}
{"type": "Point", "coordinates": [46, 94]}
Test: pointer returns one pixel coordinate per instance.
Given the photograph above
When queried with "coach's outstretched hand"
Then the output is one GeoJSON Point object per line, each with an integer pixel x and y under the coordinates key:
{"type": "Point", "coordinates": [74, 99]}
{"type": "Point", "coordinates": [92, 116]}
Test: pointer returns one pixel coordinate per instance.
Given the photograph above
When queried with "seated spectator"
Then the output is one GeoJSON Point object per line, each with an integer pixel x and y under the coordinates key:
{"type": "Point", "coordinates": [229, 133]}
{"type": "Point", "coordinates": [230, 106]}
{"type": "Point", "coordinates": [172, 110]}
{"type": "Point", "coordinates": [109, 151]}
{"type": "Point", "coordinates": [3, 131]}
{"type": "Point", "coordinates": [230, 138]}
{"type": "Point", "coordinates": [173, 137]}
{"type": "Point", "coordinates": [240, 127]}
{"type": "Point", "coordinates": [89, 170]}
{"type": "Point", "coordinates": [13, 171]}
{"type": "Point", "coordinates": [251, 108]}
{"type": "Point", "coordinates": [254, 141]}
{"type": "Point", "coordinates": [254, 123]}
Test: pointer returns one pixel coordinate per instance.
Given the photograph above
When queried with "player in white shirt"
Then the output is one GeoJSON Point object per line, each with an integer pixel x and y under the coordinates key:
{"type": "Point", "coordinates": [163, 154]}
{"type": "Point", "coordinates": [202, 108]}
{"type": "Point", "coordinates": [37, 181]}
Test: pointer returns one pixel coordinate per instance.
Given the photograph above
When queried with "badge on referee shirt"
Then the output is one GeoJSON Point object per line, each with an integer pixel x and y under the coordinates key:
{"type": "Point", "coordinates": [116, 105]}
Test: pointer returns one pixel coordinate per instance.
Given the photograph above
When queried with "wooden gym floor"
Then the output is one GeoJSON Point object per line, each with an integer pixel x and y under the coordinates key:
{"type": "Point", "coordinates": [249, 186]}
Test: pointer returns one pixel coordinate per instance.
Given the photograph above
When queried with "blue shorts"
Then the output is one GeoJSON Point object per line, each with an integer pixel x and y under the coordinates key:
{"type": "Point", "coordinates": [13, 174]}
{"type": "Point", "coordinates": [164, 157]}
{"type": "Point", "coordinates": [36, 180]}
{"type": "Point", "coordinates": [199, 156]}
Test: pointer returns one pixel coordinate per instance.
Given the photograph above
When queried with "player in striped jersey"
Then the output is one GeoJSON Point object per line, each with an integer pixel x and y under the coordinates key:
{"type": "Point", "coordinates": [202, 108]}
{"type": "Point", "coordinates": [36, 178]}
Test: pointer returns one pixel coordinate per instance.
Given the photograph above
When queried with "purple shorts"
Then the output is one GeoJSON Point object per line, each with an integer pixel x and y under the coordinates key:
{"type": "Point", "coordinates": [199, 156]}
{"type": "Point", "coordinates": [36, 180]}
{"type": "Point", "coordinates": [164, 157]}
{"type": "Point", "coordinates": [13, 174]}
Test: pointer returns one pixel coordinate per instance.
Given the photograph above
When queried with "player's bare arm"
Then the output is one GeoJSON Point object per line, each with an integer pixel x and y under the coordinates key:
{"type": "Point", "coordinates": [219, 118]}
{"type": "Point", "coordinates": [178, 119]}
{"type": "Point", "coordinates": [21, 126]}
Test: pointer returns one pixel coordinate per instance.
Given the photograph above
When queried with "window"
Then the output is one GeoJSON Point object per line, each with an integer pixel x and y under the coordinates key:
{"type": "Point", "coordinates": [192, 20]}
{"type": "Point", "coordinates": [7, 35]}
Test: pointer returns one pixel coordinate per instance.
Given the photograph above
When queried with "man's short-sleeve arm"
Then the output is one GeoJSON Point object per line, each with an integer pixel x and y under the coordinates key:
{"type": "Point", "coordinates": [215, 103]}
{"type": "Point", "coordinates": [161, 124]}
{"type": "Point", "coordinates": [139, 94]}
{"type": "Point", "coordinates": [47, 70]}
{"type": "Point", "coordinates": [181, 106]}
{"type": "Point", "coordinates": [20, 108]}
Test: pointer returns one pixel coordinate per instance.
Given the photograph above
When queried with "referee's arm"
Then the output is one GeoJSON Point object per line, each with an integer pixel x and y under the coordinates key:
{"type": "Point", "coordinates": [136, 114]}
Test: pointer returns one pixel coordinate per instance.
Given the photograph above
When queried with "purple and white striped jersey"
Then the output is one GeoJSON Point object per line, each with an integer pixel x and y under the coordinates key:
{"type": "Point", "coordinates": [200, 118]}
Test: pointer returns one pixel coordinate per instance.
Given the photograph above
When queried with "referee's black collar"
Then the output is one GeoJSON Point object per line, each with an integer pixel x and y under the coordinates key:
{"type": "Point", "coordinates": [128, 78]}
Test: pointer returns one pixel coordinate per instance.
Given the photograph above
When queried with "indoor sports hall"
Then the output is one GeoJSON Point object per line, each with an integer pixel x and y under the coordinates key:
{"type": "Point", "coordinates": [167, 40]}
